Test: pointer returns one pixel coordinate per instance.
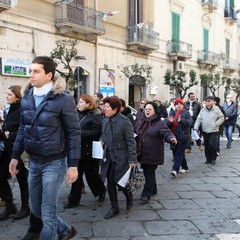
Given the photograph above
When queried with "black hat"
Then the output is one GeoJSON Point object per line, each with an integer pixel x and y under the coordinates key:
{"type": "Point", "coordinates": [209, 97]}
{"type": "Point", "coordinates": [217, 99]}
{"type": "Point", "coordinates": [155, 106]}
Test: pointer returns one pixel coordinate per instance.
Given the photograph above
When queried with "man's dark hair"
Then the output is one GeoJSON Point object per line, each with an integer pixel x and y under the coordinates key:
{"type": "Point", "coordinates": [191, 93]}
{"type": "Point", "coordinates": [48, 64]}
{"type": "Point", "coordinates": [114, 102]}
{"type": "Point", "coordinates": [123, 103]}
{"type": "Point", "coordinates": [99, 95]}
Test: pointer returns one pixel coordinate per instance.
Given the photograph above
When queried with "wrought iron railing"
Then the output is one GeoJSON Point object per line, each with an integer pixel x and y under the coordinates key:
{"type": "Point", "coordinates": [80, 15]}
{"type": "Point", "coordinates": [230, 64]}
{"type": "Point", "coordinates": [7, 2]}
{"type": "Point", "coordinates": [212, 3]}
{"type": "Point", "coordinates": [177, 47]}
{"type": "Point", "coordinates": [209, 57]}
{"type": "Point", "coordinates": [143, 35]}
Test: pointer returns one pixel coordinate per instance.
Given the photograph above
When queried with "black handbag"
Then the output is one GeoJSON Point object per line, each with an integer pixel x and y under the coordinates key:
{"type": "Point", "coordinates": [136, 180]}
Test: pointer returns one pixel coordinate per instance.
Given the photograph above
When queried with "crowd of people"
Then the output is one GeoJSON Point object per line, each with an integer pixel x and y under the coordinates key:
{"type": "Point", "coordinates": [58, 136]}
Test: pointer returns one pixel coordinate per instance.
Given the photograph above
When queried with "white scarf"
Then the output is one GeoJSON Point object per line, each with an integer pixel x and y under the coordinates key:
{"type": "Point", "coordinates": [43, 90]}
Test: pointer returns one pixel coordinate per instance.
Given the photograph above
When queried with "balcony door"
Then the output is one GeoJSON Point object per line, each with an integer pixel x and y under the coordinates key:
{"type": "Point", "coordinates": [175, 32]}
{"type": "Point", "coordinates": [205, 43]}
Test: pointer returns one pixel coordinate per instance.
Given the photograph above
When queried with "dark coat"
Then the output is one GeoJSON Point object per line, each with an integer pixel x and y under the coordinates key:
{"type": "Point", "coordinates": [11, 124]}
{"type": "Point", "coordinates": [127, 112]}
{"type": "Point", "coordinates": [51, 131]}
{"type": "Point", "coordinates": [91, 129]}
{"type": "Point", "coordinates": [119, 145]}
{"type": "Point", "coordinates": [183, 132]}
{"type": "Point", "coordinates": [231, 113]}
{"type": "Point", "coordinates": [196, 108]}
{"type": "Point", "coordinates": [151, 140]}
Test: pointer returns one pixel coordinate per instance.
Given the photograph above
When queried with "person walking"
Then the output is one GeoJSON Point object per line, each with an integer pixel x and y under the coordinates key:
{"type": "Point", "coordinates": [9, 130]}
{"type": "Point", "coordinates": [193, 107]}
{"type": "Point", "coordinates": [210, 118]}
{"type": "Point", "coordinates": [49, 132]}
{"type": "Point", "coordinates": [162, 111]}
{"type": "Point", "coordinates": [230, 109]}
{"type": "Point", "coordinates": [180, 123]}
{"type": "Point", "coordinates": [151, 133]}
{"type": "Point", "coordinates": [91, 129]}
{"type": "Point", "coordinates": [126, 111]}
{"type": "Point", "coordinates": [119, 152]}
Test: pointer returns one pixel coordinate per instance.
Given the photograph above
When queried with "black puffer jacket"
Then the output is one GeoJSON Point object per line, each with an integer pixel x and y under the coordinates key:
{"type": "Point", "coordinates": [11, 124]}
{"type": "Point", "coordinates": [52, 130]}
{"type": "Point", "coordinates": [91, 129]}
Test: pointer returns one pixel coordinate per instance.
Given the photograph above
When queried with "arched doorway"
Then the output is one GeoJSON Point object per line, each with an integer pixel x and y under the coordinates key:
{"type": "Point", "coordinates": [137, 90]}
{"type": "Point", "coordinates": [81, 75]}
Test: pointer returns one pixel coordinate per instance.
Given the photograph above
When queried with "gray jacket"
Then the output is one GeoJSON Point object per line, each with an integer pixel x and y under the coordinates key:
{"type": "Point", "coordinates": [209, 119]}
{"type": "Point", "coordinates": [119, 145]}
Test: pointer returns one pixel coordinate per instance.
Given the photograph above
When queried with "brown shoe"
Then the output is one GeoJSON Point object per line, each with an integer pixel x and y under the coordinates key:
{"type": "Point", "coordinates": [188, 151]}
{"type": "Point", "coordinates": [2, 203]}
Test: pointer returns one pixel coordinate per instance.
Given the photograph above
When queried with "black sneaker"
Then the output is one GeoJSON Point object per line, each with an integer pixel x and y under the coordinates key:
{"type": "Point", "coordinates": [71, 234]}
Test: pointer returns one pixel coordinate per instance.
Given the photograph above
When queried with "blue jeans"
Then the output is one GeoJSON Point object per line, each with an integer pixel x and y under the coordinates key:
{"type": "Point", "coordinates": [45, 181]}
{"type": "Point", "coordinates": [179, 157]}
{"type": "Point", "coordinates": [228, 132]}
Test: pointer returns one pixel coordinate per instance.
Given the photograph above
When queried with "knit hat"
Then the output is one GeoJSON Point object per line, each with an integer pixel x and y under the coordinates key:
{"type": "Point", "coordinates": [155, 106]}
{"type": "Point", "coordinates": [178, 100]}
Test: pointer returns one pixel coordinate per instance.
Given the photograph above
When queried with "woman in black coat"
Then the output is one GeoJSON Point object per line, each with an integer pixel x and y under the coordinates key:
{"type": "Point", "coordinates": [9, 131]}
{"type": "Point", "coordinates": [119, 151]}
{"type": "Point", "coordinates": [91, 128]}
{"type": "Point", "coordinates": [151, 133]}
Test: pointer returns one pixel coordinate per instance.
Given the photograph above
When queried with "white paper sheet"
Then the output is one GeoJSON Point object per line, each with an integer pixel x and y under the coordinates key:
{"type": "Point", "coordinates": [124, 180]}
{"type": "Point", "coordinates": [97, 150]}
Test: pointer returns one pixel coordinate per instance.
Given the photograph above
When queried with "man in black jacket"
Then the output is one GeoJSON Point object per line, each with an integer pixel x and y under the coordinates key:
{"type": "Point", "coordinates": [193, 107]}
{"type": "Point", "coordinates": [49, 132]}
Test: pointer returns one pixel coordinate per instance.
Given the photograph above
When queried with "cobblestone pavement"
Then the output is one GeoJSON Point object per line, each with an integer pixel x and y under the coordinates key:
{"type": "Point", "coordinates": [202, 204]}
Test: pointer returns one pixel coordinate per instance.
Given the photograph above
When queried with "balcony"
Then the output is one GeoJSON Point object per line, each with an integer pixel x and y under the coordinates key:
{"type": "Point", "coordinates": [230, 65]}
{"type": "Point", "coordinates": [5, 5]}
{"type": "Point", "coordinates": [210, 5]}
{"type": "Point", "coordinates": [143, 40]}
{"type": "Point", "coordinates": [208, 59]}
{"type": "Point", "coordinates": [178, 50]}
{"type": "Point", "coordinates": [84, 22]}
{"type": "Point", "coordinates": [230, 16]}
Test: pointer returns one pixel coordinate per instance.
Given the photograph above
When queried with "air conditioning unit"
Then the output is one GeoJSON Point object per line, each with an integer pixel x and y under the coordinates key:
{"type": "Point", "coordinates": [180, 66]}
{"type": "Point", "coordinates": [223, 55]}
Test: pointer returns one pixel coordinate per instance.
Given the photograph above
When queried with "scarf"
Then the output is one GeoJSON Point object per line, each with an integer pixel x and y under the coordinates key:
{"type": "Point", "coordinates": [42, 91]}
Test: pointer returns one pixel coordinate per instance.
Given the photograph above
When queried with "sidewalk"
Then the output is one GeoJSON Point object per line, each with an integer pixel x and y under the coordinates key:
{"type": "Point", "coordinates": [202, 204]}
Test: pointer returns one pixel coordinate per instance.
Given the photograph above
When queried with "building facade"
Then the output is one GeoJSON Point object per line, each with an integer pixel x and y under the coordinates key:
{"type": "Point", "coordinates": [125, 46]}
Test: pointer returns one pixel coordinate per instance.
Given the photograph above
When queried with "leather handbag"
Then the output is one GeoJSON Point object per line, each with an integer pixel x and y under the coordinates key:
{"type": "Point", "coordinates": [136, 180]}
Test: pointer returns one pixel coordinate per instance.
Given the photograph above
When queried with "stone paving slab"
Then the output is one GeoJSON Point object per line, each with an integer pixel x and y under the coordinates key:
{"type": "Point", "coordinates": [170, 227]}
{"type": "Point", "coordinates": [203, 204]}
{"type": "Point", "coordinates": [199, 214]}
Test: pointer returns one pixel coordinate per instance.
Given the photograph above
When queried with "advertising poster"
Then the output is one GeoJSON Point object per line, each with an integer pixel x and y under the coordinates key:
{"type": "Point", "coordinates": [107, 82]}
{"type": "Point", "coordinates": [15, 67]}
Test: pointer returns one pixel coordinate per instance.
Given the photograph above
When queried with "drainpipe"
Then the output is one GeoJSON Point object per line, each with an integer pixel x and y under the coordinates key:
{"type": "Point", "coordinates": [96, 77]}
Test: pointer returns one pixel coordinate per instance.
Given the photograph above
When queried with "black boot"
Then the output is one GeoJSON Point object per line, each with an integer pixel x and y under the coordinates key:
{"type": "Point", "coordinates": [9, 209]}
{"type": "Point", "coordinates": [25, 210]}
{"type": "Point", "coordinates": [31, 236]}
{"type": "Point", "coordinates": [113, 211]}
{"type": "Point", "coordinates": [129, 198]}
